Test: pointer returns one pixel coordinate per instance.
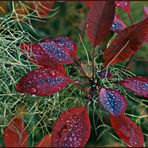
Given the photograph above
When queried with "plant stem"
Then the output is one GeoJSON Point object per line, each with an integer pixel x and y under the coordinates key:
{"type": "Point", "coordinates": [82, 69]}
{"type": "Point", "coordinates": [79, 87]}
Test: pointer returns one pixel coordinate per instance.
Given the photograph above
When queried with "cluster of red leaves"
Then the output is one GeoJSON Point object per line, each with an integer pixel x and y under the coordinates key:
{"type": "Point", "coordinates": [72, 129]}
{"type": "Point", "coordinates": [50, 54]}
{"type": "Point", "coordinates": [127, 42]}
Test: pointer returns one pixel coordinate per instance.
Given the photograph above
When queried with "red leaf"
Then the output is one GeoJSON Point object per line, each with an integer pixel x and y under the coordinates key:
{"type": "Point", "coordinates": [68, 43]}
{"type": "Point", "coordinates": [72, 128]}
{"type": "Point", "coordinates": [45, 141]}
{"type": "Point", "coordinates": [118, 24]}
{"type": "Point", "coordinates": [56, 53]}
{"type": "Point", "coordinates": [42, 82]}
{"type": "Point", "coordinates": [42, 8]}
{"type": "Point", "coordinates": [124, 5]}
{"type": "Point", "coordinates": [127, 130]}
{"type": "Point", "coordinates": [35, 53]}
{"type": "Point", "coordinates": [145, 9]}
{"type": "Point", "coordinates": [127, 42]}
{"type": "Point", "coordinates": [99, 20]}
{"type": "Point", "coordinates": [65, 42]}
{"type": "Point", "coordinates": [112, 101]}
{"type": "Point", "coordinates": [137, 84]}
{"type": "Point", "coordinates": [15, 134]}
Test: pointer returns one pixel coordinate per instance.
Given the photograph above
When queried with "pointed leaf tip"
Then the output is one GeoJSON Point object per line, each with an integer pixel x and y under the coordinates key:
{"type": "Point", "coordinates": [42, 82]}
{"type": "Point", "coordinates": [127, 43]}
{"type": "Point", "coordinates": [72, 128]}
{"type": "Point", "coordinates": [117, 24]}
{"type": "Point", "coordinates": [127, 130]}
{"type": "Point", "coordinates": [99, 20]}
{"type": "Point", "coordinates": [15, 134]}
{"type": "Point", "coordinates": [112, 101]}
{"type": "Point", "coordinates": [137, 84]}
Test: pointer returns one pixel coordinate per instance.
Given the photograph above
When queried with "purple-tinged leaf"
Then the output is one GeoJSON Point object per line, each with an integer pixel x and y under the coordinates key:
{"type": "Point", "coordinates": [105, 74]}
{"type": "Point", "coordinates": [72, 129]}
{"type": "Point", "coordinates": [127, 130]}
{"type": "Point", "coordinates": [42, 82]}
{"type": "Point", "coordinates": [65, 42]}
{"type": "Point", "coordinates": [127, 43]}
{"type": "Point", "coordinates": [145, 9]}
{"type": "Point", "coordinates": [123, 5]}
{"type": "Point", "coordinates": [99, 20]}
{"type": "Point", "coordinates": [137, 84]}
{"type": "Point", "coordinates": [56, 53]}
{"type": "Point", "coordinates": [68, 43]}
{"type": "Point", "coordinates": [112, 101]}
{"type": "Point", "coordinates": [117, 24]}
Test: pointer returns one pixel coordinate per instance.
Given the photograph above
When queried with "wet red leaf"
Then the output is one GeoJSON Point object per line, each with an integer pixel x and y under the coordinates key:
{"type": "Point", "coordinates": [117, 24]}
{"type": "Point", "coordinates": [137, 84]}
{"type": "Point", "coordinates": [72, 128]}
{"type": "Point", "coordinates": [112, 101]}
{"type": "Point", "coordinates": [45, 141]}
{"type": "Point", "coordinates": [99, 20]}
{"type": "Point", "coordinates": [15, 134]}
{"type": "Point", "coordinates": [56, 52]}
{"type": "Point", "coordinates": [42, 82]}
{"type": "Point", "coordinates": [123, 5]}
{"type": "Point", "coordinates": [127, 43]}
{"type": "Point", "coordinates": [42, 8]}
{"type": "Point", "coordinates": [145, 9]}
{"type": "Point", "coordinates": [65, 42]}
{"type": "Point", "coordinates": [127, 130]}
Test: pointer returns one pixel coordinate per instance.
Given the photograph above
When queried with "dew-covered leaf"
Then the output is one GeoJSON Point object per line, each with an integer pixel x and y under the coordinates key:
{"type": "Point", "coordinates": [65, 42]}
{"type": "Point", "coordinates": [105, 74]}
{"type": "Point", "coordinates": [72, 129]}
{"type": "Point", "coordinates": [45, 141]}
{"type": "Point", "coordinates": [56, 53]}
{"type": "Point", "coordinates": [112, 101]}
{"type": "Point", "coordinates": [15, 134]}
{"type": "Point", "coordinates": [117, 24]}
{"type": "Point", "coordinates": [123, 5]}
{"type": "Point", "coordinates": [137, 84]}
{"type": "Point", "coordinates": [127, 43]}
{"type": "Point", "coordinates": [42, 82]}
{"type": "Point", "coordinates": [145, 9]}
{"type": "Point", "coordinates": [35, 53]}
{"type": "Point", "coordinates": [99, 20]}
{"type": "Point", "coordinates": [42, 8]}
{"type": "Point", "coordinates": [127, 130]}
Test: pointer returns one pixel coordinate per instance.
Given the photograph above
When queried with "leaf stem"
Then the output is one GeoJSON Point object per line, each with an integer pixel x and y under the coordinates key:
{"type": "Point", "coordinates": [79, 87]}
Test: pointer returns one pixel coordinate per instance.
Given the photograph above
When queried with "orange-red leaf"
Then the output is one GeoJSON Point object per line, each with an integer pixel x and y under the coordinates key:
{"type": "Point", "coordinates": [99, 20]}
{"type": "Point", "coordinates": [127, 43]}
{"type": "Point", "coordinates": [45, 141]}
{"type": "Point", "coordinates": [127, 130]}
{"type": "Point", "coordinates": [72, 128]}
{"type": "Point", "coordinates": [15, 134]}
{"type": "Point", "coordinates": [124, 5]}
{"type": "Point", "coordinates": [42, 7]}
